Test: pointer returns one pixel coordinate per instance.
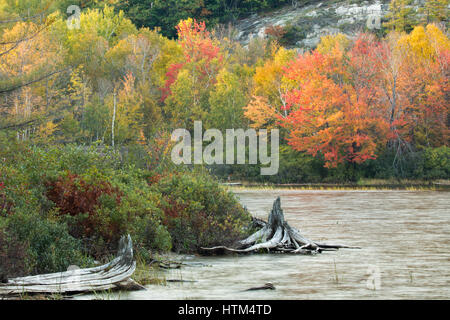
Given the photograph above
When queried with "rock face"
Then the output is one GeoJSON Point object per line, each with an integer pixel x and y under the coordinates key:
{"type": "Point", "coordinates": [306, 21]}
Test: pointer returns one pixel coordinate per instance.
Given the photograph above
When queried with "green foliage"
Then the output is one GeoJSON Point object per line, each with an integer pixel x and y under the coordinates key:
{"type": "Point", "coordinates": [166, 14]}
{"type": "Point", "coordinates": [298, 167]}
{"type": "Point", "coordinates": [227, 101]}
{"type": "Point", "coordinates": [437, 163]}
{"type": "Point", "coordinates": [295, 167]}
{"type": "Point", "coordinates": [95, 120]}
{"type": "Point", "coordinates": [65, 204]}
{"type": "Point", "coordinates": [435, 11]}
{"type": "Point", "coordinates": [50, 247]}
{"type": "Point", "coordinates": [12, 254]}
{"type": "Point", "coordinates": [200, 213]}
{"type": "Point", "coordinates": [401, 16]}
{"type": "Point", "coordinates": [292, 34]}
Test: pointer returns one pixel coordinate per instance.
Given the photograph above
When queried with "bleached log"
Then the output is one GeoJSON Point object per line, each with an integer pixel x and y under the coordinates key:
{"type": "Point", "coordinates": [113, 275]}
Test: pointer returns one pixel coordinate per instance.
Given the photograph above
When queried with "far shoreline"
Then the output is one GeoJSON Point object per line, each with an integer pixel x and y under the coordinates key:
{"type": "Point", "coordinates": [366, 184]}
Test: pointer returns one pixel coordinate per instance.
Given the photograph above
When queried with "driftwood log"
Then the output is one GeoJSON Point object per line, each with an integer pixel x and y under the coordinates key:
{"type": "Point", "coordinates": [277, 235]}
{"type": "Point", "coordinates": [113, 275]}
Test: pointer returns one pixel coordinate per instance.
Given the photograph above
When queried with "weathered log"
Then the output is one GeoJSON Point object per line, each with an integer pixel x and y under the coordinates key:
{"type": "Point", "coordinates": [277, 235]}
{"type": "Point", "coordinates": [113, 275]}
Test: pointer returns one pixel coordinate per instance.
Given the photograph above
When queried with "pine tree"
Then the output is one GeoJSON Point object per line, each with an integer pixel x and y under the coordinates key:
{"type": "Point", "coordinates": [435, 10]}
{"type": "Point", "coordinates": [401, 16]}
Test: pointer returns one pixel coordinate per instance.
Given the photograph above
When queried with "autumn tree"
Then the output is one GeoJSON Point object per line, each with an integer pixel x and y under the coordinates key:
{"type": "Point", "coordinates": [137, 55]}
{"type": "Point", "coordinates": [227, 101]}
{"type": "Point", "coordinates": [128, 113]}
{"type": "Point", "coordinates": [330, 112]}
{"type": "Point", "coordinates": [270, 88]}
{"type": "Point", "coordinates": [424, 85]}
{"type": "Point", "coordinates": [328, 43]}
{"type": "Point", "coordinates": [186, 91]}
{"type": "Point", "coordinates": [22, 62]}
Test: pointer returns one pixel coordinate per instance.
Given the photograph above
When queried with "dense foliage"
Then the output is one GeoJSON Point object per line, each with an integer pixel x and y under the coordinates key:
{"type": "Point", "coordinates": [166, 14]}
{"type": "Point", "coordinates": [86, 115]}
{"type": "Point", "coordinates": [63, 206]}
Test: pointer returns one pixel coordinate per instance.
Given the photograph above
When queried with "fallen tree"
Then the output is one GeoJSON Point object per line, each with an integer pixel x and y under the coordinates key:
{"type": "Point", "coordinates": [277, 235]}
{"type": "Point", "coordinates": [113, 275]}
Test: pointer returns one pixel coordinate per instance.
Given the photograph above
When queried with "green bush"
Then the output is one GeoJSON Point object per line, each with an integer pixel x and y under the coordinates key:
{"type": "Point", "coordinates": [50, 248]}
{"type": "Point", "coordinates": [294, 167]}
{"type": "Point", "coordinates": [292, 35]}
{"type": "Point", "coordinates": [437, 163]}
{"type": "Point", "coordinates": [13, 253]}
{"type": "Point", "coordinates": [199, 212]}
{"type": "Point", "coordinates": [65, 204]}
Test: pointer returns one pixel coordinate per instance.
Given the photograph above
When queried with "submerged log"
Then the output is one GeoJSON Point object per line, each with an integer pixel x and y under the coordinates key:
{"type": "Point", "coordinates": [267, 286]}
{"type": "Point", "coordinates": [113, 275]}
{"type": "Point", "coordinates": [277, 235]}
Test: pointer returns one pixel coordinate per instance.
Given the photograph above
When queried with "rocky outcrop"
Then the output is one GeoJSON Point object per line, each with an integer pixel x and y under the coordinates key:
{"type": "Point", "coordinates": [306, 21]}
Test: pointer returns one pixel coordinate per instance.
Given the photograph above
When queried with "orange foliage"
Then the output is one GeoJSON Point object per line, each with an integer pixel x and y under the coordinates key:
{"type": "Point", "coordinates": [198, 50]}
{"type": "Point", "coordinates": [348, 102]}
{"type": "Point", "coordinates": [332, 110]}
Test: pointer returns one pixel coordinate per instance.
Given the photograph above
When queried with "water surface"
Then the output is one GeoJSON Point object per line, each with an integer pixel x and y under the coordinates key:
{"type": "Point", "coordinates": [404, 235]}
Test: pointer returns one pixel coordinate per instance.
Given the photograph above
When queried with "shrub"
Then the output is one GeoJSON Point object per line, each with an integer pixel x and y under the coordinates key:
{"type": "Point", "coordinates": [50, 248]}
{"type": "Point", "coordinates": [200, 213]}
{"type": "Point", "coordinates": [5, 204]}
{"type": "Point", "coordinates": [292, 34]}
{"type": "Point", "coordinates": [12, 255]}
{"type": "Point", "coordinates": [276, 32]}
{"type": "Point", "coordinates": [437, 163]}
{"type": "Point", "coordinates": [75, 196]}
{"type": "Point", "coordinates": [66, 203]}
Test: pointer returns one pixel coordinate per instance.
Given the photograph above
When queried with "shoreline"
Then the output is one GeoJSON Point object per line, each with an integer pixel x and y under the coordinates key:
{"type": "Point", "coordinates": [409, 185]}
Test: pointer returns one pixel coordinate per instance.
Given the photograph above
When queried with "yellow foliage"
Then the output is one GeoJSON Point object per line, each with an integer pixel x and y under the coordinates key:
{"type": "Point", "coordinates": [47, 129]}
{"type": "Point", "coordinates": [329, 42]}
{"type": "Point", "coordinates": [425, 43]}
{"type": "Point", "coordinates": [260, 113]}
{"type": "Point", "coordinates": [269, 80]}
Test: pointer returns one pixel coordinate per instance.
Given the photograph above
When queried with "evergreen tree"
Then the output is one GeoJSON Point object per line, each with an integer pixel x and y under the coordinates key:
{"type": "Point", "coordinates": [401, 16]}
{"type": "Point", "coordinates": [435, 10]}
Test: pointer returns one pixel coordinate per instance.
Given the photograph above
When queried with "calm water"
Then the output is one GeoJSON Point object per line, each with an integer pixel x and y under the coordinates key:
{"type": "Point", "coordinates": [405, 240]}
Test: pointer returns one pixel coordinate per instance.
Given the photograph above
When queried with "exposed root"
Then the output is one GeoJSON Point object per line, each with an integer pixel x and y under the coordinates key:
{"type": "Point", "coordinates": [277, 235]}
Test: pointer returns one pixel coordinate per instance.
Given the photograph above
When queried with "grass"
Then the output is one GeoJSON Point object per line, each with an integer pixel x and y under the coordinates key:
{"type": "Point", "coordinates": [109, 294]}
{"type": "Point", "coordinates": [336, 275]}
{"type": "Point", "coordinates": [363, 184]}
{"type": "Point", "coordinates": [148, 274]}
{"type": "Point", "coordinates": [27, 296]}
{"type": "Point", "coordinates": [411, 276]}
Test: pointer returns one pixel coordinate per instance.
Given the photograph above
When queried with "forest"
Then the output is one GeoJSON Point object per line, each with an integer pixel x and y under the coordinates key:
{"type": "Point", "coordinates": [89, 99]}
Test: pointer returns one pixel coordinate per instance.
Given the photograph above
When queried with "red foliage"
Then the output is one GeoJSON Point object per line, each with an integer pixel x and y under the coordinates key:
{"type": "Point", "coordinates": [155, 178]}
{"type": "Point", "coordinates": [198, 49]}
{"type": "Point", "coordinates": [73, 196]}
{"type": "Point", "coordinates": [171, 75]}
{"type": "Point", "coordinates": [275, 31]}
{"type": "Point", "coordinates": [333, 110]}
{"type": "Point", "coordinates": [172, 211]}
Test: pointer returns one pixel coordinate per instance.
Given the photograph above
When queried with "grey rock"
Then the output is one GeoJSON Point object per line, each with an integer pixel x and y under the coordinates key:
{"type": "Point", "coordinates": [316, 19]}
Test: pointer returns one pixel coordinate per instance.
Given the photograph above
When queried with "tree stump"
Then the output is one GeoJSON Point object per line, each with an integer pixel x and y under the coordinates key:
{"type": "Point", "coordinates": [277, 235]}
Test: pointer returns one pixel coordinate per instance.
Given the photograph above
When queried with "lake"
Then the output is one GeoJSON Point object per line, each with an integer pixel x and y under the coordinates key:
{"type": "Point", "coordinates": [404, 236]}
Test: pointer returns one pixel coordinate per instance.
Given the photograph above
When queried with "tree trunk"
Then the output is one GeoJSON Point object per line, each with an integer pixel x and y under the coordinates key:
{"type": "Point", "coordinates": [277, 235]}
{"type": "Point", "coordinates": [114, 275]}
